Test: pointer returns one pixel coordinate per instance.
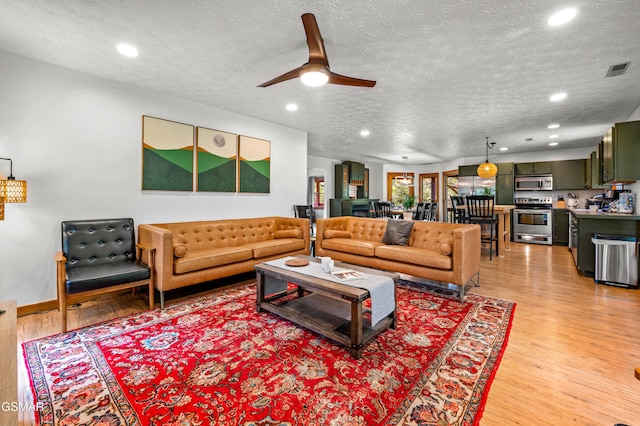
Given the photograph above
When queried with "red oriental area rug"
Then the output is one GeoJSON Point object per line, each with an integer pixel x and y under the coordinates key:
{"type": "Point", "coordinates": [216, 361]}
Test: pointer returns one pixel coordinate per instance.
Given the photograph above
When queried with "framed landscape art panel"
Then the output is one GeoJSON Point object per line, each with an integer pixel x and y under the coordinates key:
{"type": "Point", "coordinates": [255, 165]}
{"type": "Point", "coordinates": [167, 155]}
{"type": "Point", "coordinates": [217, 156]}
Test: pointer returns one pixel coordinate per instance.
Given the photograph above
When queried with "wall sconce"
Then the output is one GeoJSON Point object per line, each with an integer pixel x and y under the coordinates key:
{"type": "Point", "coordinates": [11, 190]}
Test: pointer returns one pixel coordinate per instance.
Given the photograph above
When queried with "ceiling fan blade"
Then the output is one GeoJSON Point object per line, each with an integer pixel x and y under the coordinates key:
{"type": "Point", "coordinates": [284, 77]}
{"type": "Point", "coordinates": [350, 81]}
{"type": "Point", "coordinates": [317, 54]}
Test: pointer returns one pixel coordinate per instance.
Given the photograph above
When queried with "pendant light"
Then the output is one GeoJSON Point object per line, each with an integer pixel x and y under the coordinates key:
{"type": "Point", "coordinates": [487, 169]}
{"type": "Point", "coordinates": [405, 179]}
{"type": "Point", "coordinates": [12, 190]}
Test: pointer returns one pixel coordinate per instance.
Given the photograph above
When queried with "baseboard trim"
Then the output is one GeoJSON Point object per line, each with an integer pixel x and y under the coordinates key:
{"type": "Point", "coordinates": [37, 307]}
{"type": "Point", "coordinates": [53, 304]}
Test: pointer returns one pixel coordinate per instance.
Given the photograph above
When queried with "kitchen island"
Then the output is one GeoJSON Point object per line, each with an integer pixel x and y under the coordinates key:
{"type": "Point", "coordinates": [590, 223]}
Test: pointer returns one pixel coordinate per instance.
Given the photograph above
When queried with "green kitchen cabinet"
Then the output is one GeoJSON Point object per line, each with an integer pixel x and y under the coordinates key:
{"type": "Point", "coordinates": [593, 170]}
{"type": "Point", "coordinates": [341, 181]}
{"type": "Point", "coordinates": [468, 170]}
{"type": "Point", "coordinates": [560, 228]}
{"type": "Point", "coordinates": [537, 168]}
{"type": "Point", "coordinates": [569, 174]}
{"type": "Point", "coordinates": [620, 153]}
{"type": "Point", "coordinates": [504, 183]}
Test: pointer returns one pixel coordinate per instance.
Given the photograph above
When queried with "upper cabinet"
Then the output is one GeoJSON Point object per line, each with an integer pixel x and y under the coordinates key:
{"type": "Point", "coordinates": [620, 153]}
{"type": "Point", "coordinates": [356, 172]}
{"type": "Point", "coordinates": [468, 170]}
{"type": "Point", "coordinates": [538, 168]}
{"type": "Point", "coordinates": [593, 170]}
{"type": "Point", "coordinates": [569, 174]}
{"type": "Point", "coordinates": [504, 183]}
{"type": "Point", "coordinates": [341, 187]}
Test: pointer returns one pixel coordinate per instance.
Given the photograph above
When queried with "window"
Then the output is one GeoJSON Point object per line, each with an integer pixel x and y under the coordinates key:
{"type": "Point", "coordinates": [318, 192]}
{"type": "Point", "coordinates": [398, 190]}
{"type": "Point", "coordinates": [428, 187]}
{"type": "Point", "coordinates": [450, 188]}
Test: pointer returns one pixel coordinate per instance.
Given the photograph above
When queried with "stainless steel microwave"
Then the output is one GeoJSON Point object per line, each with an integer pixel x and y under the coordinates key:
{"type": "Point", "coordinates": [534, 183]}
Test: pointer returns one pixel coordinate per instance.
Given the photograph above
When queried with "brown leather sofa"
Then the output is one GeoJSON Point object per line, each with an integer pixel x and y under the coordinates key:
{"type": "Point", "coordinates": [437, 251]}
{"type": "Point", "coordinates": [195, 252]}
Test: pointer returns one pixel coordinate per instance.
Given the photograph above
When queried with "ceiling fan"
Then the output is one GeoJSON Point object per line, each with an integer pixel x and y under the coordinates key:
{"type": "Point", "coordinates": [316, 72]}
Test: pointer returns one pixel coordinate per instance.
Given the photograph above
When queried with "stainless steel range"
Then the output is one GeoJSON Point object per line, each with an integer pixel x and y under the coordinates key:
{"type": "Point", "coordinates": [532, 220]}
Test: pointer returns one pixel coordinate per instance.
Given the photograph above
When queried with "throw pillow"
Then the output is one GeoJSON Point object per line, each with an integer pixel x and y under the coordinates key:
{"type": "Point", "coordinates": [336, 233]}
{"type": "Point", "coordinates": [179, 250]}
{"type": "Point", "coordinates": [288, 233]}
{"type": "Point", "coordinates": [445, 242]}
{"type": "Point", "coordinates": [397, 232]}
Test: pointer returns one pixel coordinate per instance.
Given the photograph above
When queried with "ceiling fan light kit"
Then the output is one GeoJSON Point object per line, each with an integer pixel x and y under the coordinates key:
{"type": "Point", "coordinates": [316, 71]}
{"type": "Point", "coordinates": [314, 75]}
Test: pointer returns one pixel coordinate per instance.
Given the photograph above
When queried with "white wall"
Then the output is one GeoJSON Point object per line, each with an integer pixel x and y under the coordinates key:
{"type": "Point", "coordinates": [76, 140]}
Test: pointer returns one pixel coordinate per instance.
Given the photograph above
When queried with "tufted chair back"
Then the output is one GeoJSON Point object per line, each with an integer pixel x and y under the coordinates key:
{"type": "Point", "coordinates": [99, 256]}
{"type": "Point", "coordinates": [95, 242]}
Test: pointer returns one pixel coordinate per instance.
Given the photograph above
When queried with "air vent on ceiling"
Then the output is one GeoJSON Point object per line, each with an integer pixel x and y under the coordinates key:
{"type": "Point", "coordinates": [616, 70]}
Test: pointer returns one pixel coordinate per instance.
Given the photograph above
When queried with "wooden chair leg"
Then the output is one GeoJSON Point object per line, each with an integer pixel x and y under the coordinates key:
{"type": "Point", "coordinates": [62, 307]}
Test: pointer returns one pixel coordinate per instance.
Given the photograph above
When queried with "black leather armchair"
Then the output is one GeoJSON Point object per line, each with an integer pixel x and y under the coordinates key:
{"type": "Point", "coordinates": [100, 256]}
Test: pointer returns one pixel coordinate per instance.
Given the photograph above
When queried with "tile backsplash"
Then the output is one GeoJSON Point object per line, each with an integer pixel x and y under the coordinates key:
{"type": "Point", "coordinates": [582, 194]}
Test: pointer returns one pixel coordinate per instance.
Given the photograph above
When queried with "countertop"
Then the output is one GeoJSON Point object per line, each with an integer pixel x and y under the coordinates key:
{"type": "Point", "coordinates": [588, 214]}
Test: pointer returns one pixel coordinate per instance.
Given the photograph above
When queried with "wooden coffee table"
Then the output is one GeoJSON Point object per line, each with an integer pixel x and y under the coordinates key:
{"type": "Point", "coordinates": [331, 309]}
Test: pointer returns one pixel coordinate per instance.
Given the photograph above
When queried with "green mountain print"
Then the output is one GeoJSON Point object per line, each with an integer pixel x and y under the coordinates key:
{"type": "Point", "coordinates": [219, 179]}
{"type": "Point", "coordinates": [160, 172]}
{"type": "Point", "coordinates": [262, 166]}
{"type": "Point", "coordinates": [207, 161]}
{"type": "Point", "coordinates": [252, 179]}
{"type": "Point", "coordinates": [180, 157]}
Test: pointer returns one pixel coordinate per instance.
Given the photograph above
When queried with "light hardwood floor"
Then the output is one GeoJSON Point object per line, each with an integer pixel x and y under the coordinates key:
{"type": "Point", "coordinates": [571, 355]}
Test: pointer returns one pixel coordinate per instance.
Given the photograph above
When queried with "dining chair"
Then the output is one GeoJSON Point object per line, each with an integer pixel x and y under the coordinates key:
{"type": "Point", "coordinates": [459, 214]}
{"type": "Point", "coordinates": [306, 212]}
{"type": "Point", "coordinates": [480, 211]}
{"type": "Point", "coordinates": [418, 211]}
{"type": "Point", "coordinates": [432, 212]}
{"type": "Point", "coordinates": [382, 209]}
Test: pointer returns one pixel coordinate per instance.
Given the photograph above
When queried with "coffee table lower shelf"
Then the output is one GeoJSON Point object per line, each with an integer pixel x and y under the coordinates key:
{"type": "Point", "coordinates": [335, 325]}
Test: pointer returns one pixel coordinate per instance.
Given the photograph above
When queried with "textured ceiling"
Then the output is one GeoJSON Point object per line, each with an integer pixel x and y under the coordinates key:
{"type": "Point", "coordinates": [449, 72]}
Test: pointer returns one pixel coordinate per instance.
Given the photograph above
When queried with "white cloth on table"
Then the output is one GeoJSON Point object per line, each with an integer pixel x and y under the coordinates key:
{"type": "Point", "coordinates": [380, 288]}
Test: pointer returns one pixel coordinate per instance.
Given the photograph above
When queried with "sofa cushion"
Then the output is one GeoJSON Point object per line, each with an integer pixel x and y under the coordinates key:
{"type": "Point", "coordinates": [397, 232]}
{"type": "Point", "coordinates": [273, 247]}
{"type": "Point", "coordinates": [208, 258]}
{"type": "Point", "coordinates": [415, 255]}
{"type": "Point", "coordinates": [348, 245]}
{"type": "Point", "coordinates": [288, 233]}
{"type": "Point", "coordinates": [336, 233]}
{"type": "Point", "coordinates": [179, 250]}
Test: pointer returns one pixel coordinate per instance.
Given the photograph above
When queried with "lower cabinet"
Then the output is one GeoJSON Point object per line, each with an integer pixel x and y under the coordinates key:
{"type": "Point", "coordinates": [560, 221]}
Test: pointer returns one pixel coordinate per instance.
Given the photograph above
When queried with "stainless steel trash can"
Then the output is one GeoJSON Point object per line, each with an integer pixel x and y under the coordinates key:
{"type": "Point", "coordinates": [616, 260]}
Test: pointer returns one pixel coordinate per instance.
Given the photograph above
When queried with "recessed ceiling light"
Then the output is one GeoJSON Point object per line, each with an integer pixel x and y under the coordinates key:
{"type": "Point", "coordinates": [504, 148]}
{"type": "Point", "coordinates": [364, 133]}
{"type": "Point", "coordinates": [562, 17]}
{"type": "Point", "coordinates": [557, 97]}
{"type": "Point", "coordinates": [553, 143]}
{"type": "Point", "coordinates": [553, 136]}
{"type": "Point", "coordinates": [292, 107]}
{"type": "Point", "coordinates": [553, 126]}
{"type": "Point", "coordinates": [127, 50]}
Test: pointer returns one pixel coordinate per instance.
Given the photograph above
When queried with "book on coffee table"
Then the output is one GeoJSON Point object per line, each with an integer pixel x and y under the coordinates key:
{"type": "Point", "coordinates": [347, 274]}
